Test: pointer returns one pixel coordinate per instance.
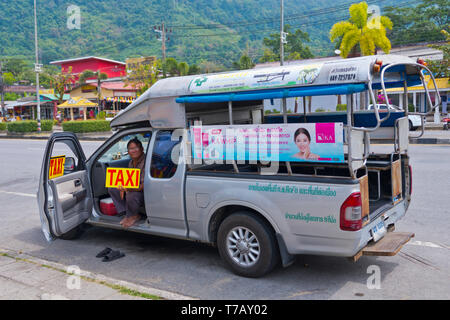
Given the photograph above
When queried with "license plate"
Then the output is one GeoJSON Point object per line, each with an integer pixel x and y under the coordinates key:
{"type": "Point", "coordinates": [378, 231]}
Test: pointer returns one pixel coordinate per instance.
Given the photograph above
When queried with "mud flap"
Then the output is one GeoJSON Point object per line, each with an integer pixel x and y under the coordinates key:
{"type": "Point", "coordinates": [286, 258]}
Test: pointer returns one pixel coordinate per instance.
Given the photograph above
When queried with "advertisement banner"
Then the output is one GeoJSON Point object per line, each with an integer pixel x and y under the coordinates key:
{"type": "Point", "coordinates": [125, 177]}
{"type": "Point", "coordinates": [265, 78]}
{"type": "Point", "coordinates": [314, 142]}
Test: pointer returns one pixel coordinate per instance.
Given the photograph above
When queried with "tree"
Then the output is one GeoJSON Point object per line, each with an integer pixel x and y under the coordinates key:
{"type": "Point", "coordinates": [16, 66]}
{"type": "Point", "coordinates": [363, 33]}
{"type": "Point", "coordinates": [268, 56]}
{"type": "Point", "coordinates": [100, 76]}
{"type": "Point", "coordinates": [59, 82]}
{"type": "Point", "coordinates": [209, 67]}
{"type": "Point", "coordinates": [245, 62]}
{"type": "Point", "coordinates": [194, 69]}
{"type": "Point", "coordinates": [422, 23]}
{"type": "Point", "coordinates": [170, 67]}
{"type": "Point", "coordinates": [8, 78]}
{"type": "Point", "coordinates": [183, 68]}
{"type": "Point", "coordinates": [295, 46]}
{"type": "Point", "coordinates": [143, 76]}
{"type": "Point", "coordinates": [441, 68]}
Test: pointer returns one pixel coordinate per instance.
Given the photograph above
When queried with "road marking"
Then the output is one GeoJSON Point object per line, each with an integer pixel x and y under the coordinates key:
{"type": "Point", "coordinates": [425, 244]}
{"type": "Point", "coordinates": [19, 194]}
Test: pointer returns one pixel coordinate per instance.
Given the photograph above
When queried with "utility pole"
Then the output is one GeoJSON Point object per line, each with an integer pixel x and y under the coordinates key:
{"type": "Point", "coordinates": [282, 42]}
{"type": "Point", "coordinates": [163, 33]}
{"type": "Point", "coordinates": [2, 90]}
{"type": "Point", "coordinates": [282, 35]}
{"type": "Point", "coordinates": [37, 69]}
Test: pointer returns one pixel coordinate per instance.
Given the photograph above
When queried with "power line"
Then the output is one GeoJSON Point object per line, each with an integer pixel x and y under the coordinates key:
{"type": "Point", "coordinates": [308, 23]}
{"type": "Point", "coordinates": [296, 16]}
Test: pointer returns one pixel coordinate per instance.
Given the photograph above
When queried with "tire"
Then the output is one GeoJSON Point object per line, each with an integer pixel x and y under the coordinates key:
{"type": "Point", "coordinates": [411, 128]}
{"type": "Point", "coordinates": [243, 226]}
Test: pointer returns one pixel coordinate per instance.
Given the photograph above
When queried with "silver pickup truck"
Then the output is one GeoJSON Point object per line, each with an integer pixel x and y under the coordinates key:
{"type": "Point", "coordinates": [256, 219]}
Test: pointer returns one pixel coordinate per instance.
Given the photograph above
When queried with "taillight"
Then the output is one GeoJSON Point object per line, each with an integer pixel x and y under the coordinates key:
{"type": "Point", "coordinates": [351, 213]}
{"type": "Point", "coordinates": [377, 66]}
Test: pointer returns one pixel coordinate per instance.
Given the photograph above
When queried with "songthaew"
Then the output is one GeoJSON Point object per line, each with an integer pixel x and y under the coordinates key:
{"type": "Point", "coordinates": [263, 189]}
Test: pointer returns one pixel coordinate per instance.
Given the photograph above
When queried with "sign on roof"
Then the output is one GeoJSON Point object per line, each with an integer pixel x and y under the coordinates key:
{"type": "Point", "coordinates": [256, 79]}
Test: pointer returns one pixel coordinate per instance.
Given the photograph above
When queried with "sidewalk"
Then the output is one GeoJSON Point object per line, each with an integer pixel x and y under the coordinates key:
{"type": "Point", "coordinates": [432, 136]}
{"type": "Point", "coordinates": [92, 136]}
{"type": "Point", "coordinates": [23, 277]}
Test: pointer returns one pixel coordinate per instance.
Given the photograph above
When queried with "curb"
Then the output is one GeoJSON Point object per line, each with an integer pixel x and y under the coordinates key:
{"type": "Point", "coordinates": [35, 137]}
{"type": "Point", "coordinates": [438, 141]}
{"type": "Point", "coordinates": [167, 295]}
{"type": "Point", "coordinates": [429, 141]}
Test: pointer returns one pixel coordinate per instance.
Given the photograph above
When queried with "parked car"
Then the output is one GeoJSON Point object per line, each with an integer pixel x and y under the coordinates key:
{"type": "Point", "coordinates": [414, 120]}
{"type": "Point", "coordinates": [345, 206]}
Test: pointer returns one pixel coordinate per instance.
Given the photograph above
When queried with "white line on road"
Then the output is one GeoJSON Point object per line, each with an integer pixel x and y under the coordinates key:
{"type": "Point", "coordinates": [19, 194]}
{"type": "Point", "coordinates": [425, 244]}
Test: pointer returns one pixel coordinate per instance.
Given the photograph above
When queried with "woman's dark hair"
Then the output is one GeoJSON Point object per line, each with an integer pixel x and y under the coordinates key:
{"type": "Point", "coordinates": [304, 131]}
{"type": "Point", "coordinates": [136, 141]}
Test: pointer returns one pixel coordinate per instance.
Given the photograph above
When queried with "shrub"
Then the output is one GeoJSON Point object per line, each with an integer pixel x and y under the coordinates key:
{"type": "Point", "coordinates": [411, 107]}
{"type": "Point", "coordinates": [47, 125]}
{"type": "Point", "coordinates": [341, 107]}
{"type": "Point", "coordinates": [22, 126]}
{"type": "Point", "coordinates": [86, 126]}
{"type": "Point", "coordinates": [29, 126]}
{"type": "Point", "coordinates": [320, 110]}
{"type": "Point", "coordinates": [2, 126]}
{"type": "Point", "coordinates": [101, 115]}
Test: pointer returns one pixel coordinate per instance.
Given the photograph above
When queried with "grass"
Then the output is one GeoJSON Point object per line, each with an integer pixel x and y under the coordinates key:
{"type": "Point", "coordinates": [118, 288]}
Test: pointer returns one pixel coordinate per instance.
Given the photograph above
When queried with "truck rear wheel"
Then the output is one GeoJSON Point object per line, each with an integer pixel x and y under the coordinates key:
{"type": "Point", "coordinates": [247, 245]}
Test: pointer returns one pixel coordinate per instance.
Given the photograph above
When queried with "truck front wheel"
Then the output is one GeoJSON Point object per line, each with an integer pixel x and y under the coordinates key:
{"type": "Point", "coordinates": [247, 244]}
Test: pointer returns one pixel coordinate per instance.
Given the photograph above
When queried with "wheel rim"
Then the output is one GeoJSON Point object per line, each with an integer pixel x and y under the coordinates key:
{"type": "Point", "coordinates": [243, 246]}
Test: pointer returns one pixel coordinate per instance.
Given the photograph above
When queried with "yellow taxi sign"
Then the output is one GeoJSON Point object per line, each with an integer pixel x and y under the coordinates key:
{"type": "Point", "coordinates": [56, 167]}
{"type": "Point", "coordinates": [125, 177]}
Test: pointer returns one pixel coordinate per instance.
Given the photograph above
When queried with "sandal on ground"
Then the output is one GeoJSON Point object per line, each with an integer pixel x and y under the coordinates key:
{"type": "Point", "coordinates": [113, 255]}
{"type": "Point", "coordinates": [103, 253]}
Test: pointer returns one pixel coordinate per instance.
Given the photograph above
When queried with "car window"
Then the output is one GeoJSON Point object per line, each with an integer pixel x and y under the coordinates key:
{"type": "Point", "coordinates": [162, 164]}
{"type": "Point", "coordinates": [118, 151]}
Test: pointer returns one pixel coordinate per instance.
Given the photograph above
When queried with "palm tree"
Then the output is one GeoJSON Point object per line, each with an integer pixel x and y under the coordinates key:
{"type": "Point", "coordinates": [363, 30]}
{"type": "Point", "coordinates": [100, 77]}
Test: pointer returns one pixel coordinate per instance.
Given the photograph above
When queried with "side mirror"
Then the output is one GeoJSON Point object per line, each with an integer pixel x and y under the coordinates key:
{"type": "Point", "coordinates": [69, 164]}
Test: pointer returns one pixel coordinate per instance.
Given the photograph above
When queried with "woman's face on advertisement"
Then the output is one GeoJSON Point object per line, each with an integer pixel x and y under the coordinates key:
{"type": "Point", "coordinates": [302, 142]}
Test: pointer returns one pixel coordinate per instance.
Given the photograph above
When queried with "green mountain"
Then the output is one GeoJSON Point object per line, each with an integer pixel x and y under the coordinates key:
{"type": "Point", "coordinates": [218, 31]}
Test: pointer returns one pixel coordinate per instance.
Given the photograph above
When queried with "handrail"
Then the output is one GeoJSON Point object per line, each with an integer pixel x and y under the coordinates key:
{"type": "Point", "coordinates": [422, 78]}
{"type": "Point", "coordinates": [375, 106]}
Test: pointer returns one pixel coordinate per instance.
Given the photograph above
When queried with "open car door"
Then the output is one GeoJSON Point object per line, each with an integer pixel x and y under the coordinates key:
{"type": "Point", "coordinates": [64, 198]}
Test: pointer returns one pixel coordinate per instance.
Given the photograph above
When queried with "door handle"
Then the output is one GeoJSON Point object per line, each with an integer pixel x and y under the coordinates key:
{"type": "Point", "coordinates": [77, 183]}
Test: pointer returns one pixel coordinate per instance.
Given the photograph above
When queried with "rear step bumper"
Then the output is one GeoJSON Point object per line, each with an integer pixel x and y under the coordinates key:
{"type": "Point", "coordinates": [389, 245]}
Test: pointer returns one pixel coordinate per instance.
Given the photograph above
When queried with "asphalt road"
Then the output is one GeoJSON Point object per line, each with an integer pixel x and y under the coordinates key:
{"type": "Point", "coordinates": [419, 271]}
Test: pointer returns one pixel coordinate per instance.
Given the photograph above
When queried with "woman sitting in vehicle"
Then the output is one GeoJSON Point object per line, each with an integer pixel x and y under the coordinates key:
{"type": "Point", "coordinates": [129, 201]}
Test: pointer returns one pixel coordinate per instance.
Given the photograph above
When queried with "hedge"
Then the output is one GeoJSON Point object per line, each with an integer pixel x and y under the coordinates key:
{"type": "Point", "coordinates": [341, 107]}
{"type": "Point", "coordinates": [29, 126]}
{"type": "Point", "coordinates": [86, 126]}
{"type": "Point", "coordinates": [2, 126]}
